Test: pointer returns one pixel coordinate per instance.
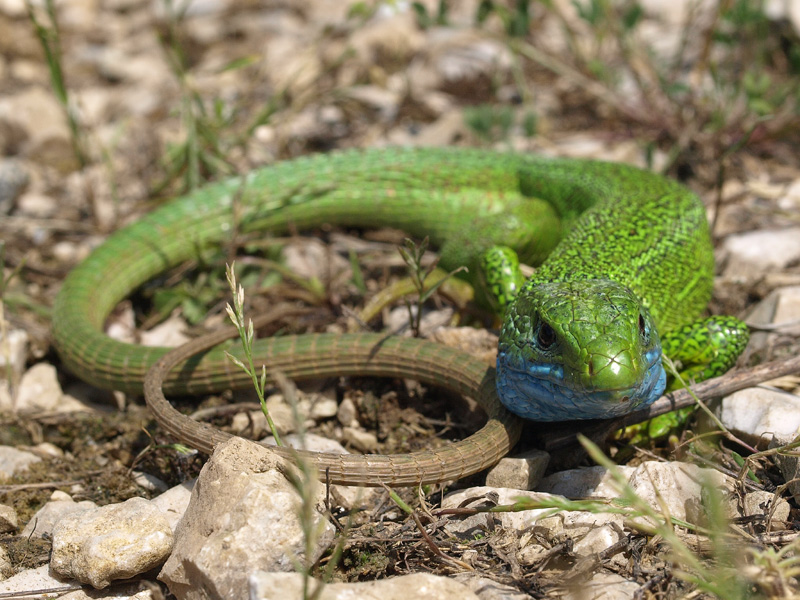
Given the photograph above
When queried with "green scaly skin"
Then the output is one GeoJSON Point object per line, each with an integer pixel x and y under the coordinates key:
{"type": "Point", "coordinates": [617, 223]}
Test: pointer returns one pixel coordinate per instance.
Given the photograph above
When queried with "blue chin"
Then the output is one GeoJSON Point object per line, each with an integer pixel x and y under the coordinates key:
{"type": "Point", "coordinates": [538, 392]}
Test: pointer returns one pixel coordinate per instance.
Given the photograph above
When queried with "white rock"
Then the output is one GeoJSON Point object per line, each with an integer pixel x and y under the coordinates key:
{"type": "Point", "coordinates": [47, 450]}
{"type": "Point", "coordinates": [13, 353]}
{"type": "Point", "coordinates": [112, 542]}
{"type": "Point", "coordinates": [70, 253]}
{"type": "Point", "coordinates": [780, 307]}
{"type": "Point", "coordinates": [591, 532]}
{"type": "Point", "coordinates": [522, 472]}
{"type": "Point", "coordinates": [38, 206]}
{"type": "Point", "coordinates": [365, 441]}
{"type": "Point", "coordinates": [480, 343]}
{"type": "Point", "coordinates": [678, 487]}
{"type": "Point", "coordinates": [39, 390]}
{"type": "Point", "coordinates": [420, 586]}
{"type": "Point", "coordinates": [322, 407]}
{"type": "Point", "coordinates": [13, 460]}
{"type": "Point", "coordinates": [754, 413]}
{"type": "Point", "coordinates": [759, 503]}
{"type": "Point", "coordinates": [241, 518]}
{"type": "Point", "coordinates": [59, 506]}
{"type": "Point", "coordinates": [170, 333]}
{"type": "Point", "coordinates": [8, 518]}
{"type": "Point", "coordinates": [751, 253]}
{"type": "Point", "coordinates": [13, 8]}
{"type": "Point", "coordinates": [787, 306]}
{"type": "Point", "coordinates": [174, 502]}
{"type": "Point", "coordinates": [148, 482]}
{"type": "Point", "coordinates": [347, 414]}
{"type": "Point", "coordinates": [252, 424]}
{"type": "Point", "coordinates": [33, 579]}
{"type": "Point", "coordinates": [311, 259]}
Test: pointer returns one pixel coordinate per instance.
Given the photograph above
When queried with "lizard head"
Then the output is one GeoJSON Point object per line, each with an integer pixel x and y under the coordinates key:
{"type": "Point", "coordinates": [578, 350]}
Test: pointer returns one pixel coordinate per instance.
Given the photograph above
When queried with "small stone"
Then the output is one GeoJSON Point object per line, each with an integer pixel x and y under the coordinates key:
{"type": "Point", "coordinates": [321, 407]}
{"type": "Point", "coordinates": [760, 503]}
{"type": "Point", "coordinates": [365, 441]}
{"type": "Point", "coordinates": [311, 259]}
{"type": "Point", "coordinates": [59, 506]}
{"type": "Point", "coordinates": [346, 413]}
{"type": "Point", "coordinates": [169, 333]}
{"type": "Point", "coordinates": [12, 461]}
{"type": "Point", "coordinates": [47, 450]}
{"type": "Point", "coordinates": [112, 542]}
{"type": "Point", "coordinates": [677, 487]}
{"type": "Point", "coordinates": [780, 307]}
{"type": "Point", "coordinates": [522, 472]}
{"type": "Point", "coordinates": [252, 424]}
{"type": "Point", "coordinates": [752, 253]}
{"type": "Point", "coordinates": [40, 390]}
{"type": "Point", "coordinates": [755, 414]}
{"type": "Point", "coordinates": [420, 586]}
{"type": "Point", "coordinates": [8, 519]}
{"type": "Point", "coordinates": [242, 515]}
{"type": "Point", "coordinates": [37, 206]}
{"type": "Point", "coordinates": [480, 343]}
{"type": "Point", "coordinates": [591, 533]}
{"type": "Point", "coordinates": [148, 482]}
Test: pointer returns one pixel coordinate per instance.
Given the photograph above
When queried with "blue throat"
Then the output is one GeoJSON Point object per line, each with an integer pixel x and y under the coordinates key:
{"type": "Point", "coordinates": [538, 391]}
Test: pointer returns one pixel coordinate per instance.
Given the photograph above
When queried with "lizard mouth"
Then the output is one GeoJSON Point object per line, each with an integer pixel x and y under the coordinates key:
{"type": "Point", "coordinates": [540, 392]}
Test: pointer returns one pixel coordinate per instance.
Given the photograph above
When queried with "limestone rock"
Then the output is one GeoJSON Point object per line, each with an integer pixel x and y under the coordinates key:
{"type": "Point", "coordinates": [13, 460]}
{"type": "Point", "coordinates": [242, 517]}
{"type": "Point", "coordinates": [112, 542]}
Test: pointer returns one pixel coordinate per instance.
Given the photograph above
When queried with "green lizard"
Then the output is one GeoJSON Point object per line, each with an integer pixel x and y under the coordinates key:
{"type": "Point", "coordinates": [625, 267]}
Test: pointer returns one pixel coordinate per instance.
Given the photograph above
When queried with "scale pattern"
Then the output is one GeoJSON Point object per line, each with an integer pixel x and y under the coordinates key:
{"type": "Point", "coordinates": [581, 220]}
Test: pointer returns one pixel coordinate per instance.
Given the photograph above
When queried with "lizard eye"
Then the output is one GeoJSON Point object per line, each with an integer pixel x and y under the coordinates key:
{"type": "Point", "coordinates": [546, 336]}
{"type": "Point", "coordinates": [642, 326]}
